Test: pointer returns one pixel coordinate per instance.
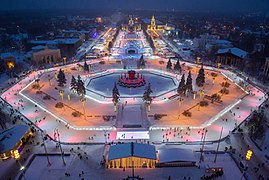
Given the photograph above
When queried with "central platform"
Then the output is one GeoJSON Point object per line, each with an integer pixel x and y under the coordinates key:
{"type": "Point", "coordinates": [101, 84]}
{"type": "Point", "coordinates": [128, 135]}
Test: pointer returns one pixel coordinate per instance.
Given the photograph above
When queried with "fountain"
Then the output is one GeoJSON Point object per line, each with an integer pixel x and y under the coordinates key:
{"type": "Point", "coordinates": [131, 80]}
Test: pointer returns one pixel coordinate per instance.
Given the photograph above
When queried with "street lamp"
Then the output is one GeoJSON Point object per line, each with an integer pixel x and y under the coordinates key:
{"type": "Point", "coordinates": [62, 95]}
{"type": "Point", "coordinates": [248, 157]}
{"type": "Point", "coordinates": [198, 60]}
{"type": "Point", "coordinates": [16, 154]}
{"type": "Point", "coordinates": [49, 79]}
{"type": "Point", "coordinates": [249, 154]}
{"type": "Point", "coordinates": [202, 92]}
{"type": "Point", "coordinates": [83, 105]}
{"type": "Point", "coordinates": [219, 64]}
{"type": "Point", "coordinates": [203, 144]}
{"type": "Point", "coordinates": [64, 59]}
{"type": "Point", "coordinates": [56, 131]}
{"type": "Point", "coordinates": [194, 94]}
{"type": "Point", "coordinates": [45, 147]}
{"type": "Point", "coordinates": [180, 100]}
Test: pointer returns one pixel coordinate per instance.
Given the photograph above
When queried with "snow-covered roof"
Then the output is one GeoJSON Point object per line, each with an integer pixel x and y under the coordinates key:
{"type": "Point", "coordinates": [176, 155]}
{"type": "Point", "coordinates": [235, 51]}
{"type": "Point", "coordinates": [10, 137]}
{"type": "Point", "coordinates": [221, 41]}
{"type": "Point", "coordinates": [56, 41]}
{"type": "Point", "coordinates": [132, 150]}
{"type": "Point", "coordinates": [7, 55]}
{"type": "Point", "coordinates": [39, 47]}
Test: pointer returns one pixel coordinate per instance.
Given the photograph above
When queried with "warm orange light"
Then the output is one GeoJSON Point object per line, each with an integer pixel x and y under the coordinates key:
{"type": "Point", "coordinates": [99, 19]}
{"type": "Point", "coordinates": [249, 154]}
{"type": "Point", "coordinates": [15, 154]}
{"type": "Point", "coordinates": [10, 64]}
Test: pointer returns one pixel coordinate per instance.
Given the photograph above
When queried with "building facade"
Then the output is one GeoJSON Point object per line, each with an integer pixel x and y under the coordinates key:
{"type": "Point", "coordinates": [231, 56]}
{"type": "Point", "coordinates": [46, 56]}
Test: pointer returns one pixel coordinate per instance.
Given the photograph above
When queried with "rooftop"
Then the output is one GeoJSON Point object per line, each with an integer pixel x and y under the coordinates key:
{"type": "Point", "coordinates": [235, 51]}
{"type": "Point", "coordinates": [10, 137]}
{"type": "Point", "coordinates": [132, 150]}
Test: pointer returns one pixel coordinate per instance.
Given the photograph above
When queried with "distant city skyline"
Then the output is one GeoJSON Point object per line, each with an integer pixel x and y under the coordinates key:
{"type": "Point", "coordinates": [177, 5]}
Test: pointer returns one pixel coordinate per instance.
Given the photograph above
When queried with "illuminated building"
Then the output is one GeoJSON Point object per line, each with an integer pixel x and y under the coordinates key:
{"type": "Point", "coordinates": [132, 25]}
{"type": "Point", "coordinates": [9, 60]}
{"type": "Point", "coordinates": [13, 139]}
{"type": "Point", "coordinates": [155, 25]}
{"type": "Point", "coordinates": [130, 155]}
{"type": "Point", "coordinates": [43, 55]}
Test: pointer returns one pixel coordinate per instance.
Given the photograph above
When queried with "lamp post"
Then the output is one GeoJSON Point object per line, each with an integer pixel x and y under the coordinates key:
{"type": "Point", "coordinates": [218, 145]}
{"type": "Point", "coordinates": [105, 134]}
{"type": "Point", "coordinates": [83, 105]}
{"type": "Point", "coordinates": [219, 64]}
{"type": "Point", "coordinates": [194, 94]}
{"type": "Point", "coordinates": [62, 153]}
{"type": "Point", "coordinates": [62, 95]}
{"type": "Point", "coordinates": [248, 157]}
{"type": "Point", "coordinates": [180, 100]}
{"type": "Point", "coordinates": [198, 60]}
{"type": "Point", "coordinates": [64, 59]}
{"type": "Point", "coordinates": [203, 144]}
{"type": "Point", "coordinates": [49, 164]}
{"type": "Point", "coordinates": [49, 79]}
{"type": "Point", "coordinates": [16, 154]}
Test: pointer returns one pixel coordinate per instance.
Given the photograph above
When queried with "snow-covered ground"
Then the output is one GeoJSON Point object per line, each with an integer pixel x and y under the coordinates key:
{"type": "Point", "coordinates": [90, 165]}
{"type": "Point", "coordinates": [235, 107]}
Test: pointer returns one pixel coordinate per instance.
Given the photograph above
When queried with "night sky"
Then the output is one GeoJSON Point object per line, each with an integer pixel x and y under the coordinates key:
{"type": "Point", "coordinates": [181, 5]}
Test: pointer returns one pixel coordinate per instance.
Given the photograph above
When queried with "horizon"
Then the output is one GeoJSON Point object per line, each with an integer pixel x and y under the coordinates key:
{"type": "Point", "coordinates": [157, 5]}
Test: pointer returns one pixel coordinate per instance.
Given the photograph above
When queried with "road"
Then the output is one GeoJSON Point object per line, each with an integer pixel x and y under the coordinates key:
{"type": "Point", "coordinates": [87, 46]}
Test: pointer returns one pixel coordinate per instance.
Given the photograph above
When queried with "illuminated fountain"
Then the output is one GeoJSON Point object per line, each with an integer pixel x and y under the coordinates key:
{"type": "Point", "coordinates": [131, 80]}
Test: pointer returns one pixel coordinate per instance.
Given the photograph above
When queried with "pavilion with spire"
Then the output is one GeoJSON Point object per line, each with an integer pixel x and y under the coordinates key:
{"type": "Point", "coordinates": [133, 25]}
{"type": "Point", "coordinates": [155, 25]}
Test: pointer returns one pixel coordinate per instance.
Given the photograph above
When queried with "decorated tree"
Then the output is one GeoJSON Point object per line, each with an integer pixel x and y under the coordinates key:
{"type": "Point", "coordinates": [61, 78]}
{"type": "Point", "coordinates": [200, 80]}
{"type": "Point", "coordinates": [115, 96]}
{"type": "Point", "coordinates": [181, 86]}
{"type": "Point", "coordinates": [169, 65]}
{"type": "Point", "coordinates": [86, 67]}
{"type": "Point", "coordinates": [189, 82]}
{"type": "Point", "coordinates": [81, 91]}
{"type": "Point", "coordinates": [141, 63]}
{"type": "Point", "coordinates": [73, 84]}
{"type": "Point", "coordinates": [177, 67]}
{"type": "Point", "coordinates": [147, 96]}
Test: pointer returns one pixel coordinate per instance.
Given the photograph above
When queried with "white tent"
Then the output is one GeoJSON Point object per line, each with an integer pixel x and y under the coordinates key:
{"type": "Point", "coordinates": [176, 157]}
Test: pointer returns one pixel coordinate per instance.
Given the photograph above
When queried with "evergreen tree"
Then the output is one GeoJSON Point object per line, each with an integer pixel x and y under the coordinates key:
{"type": "Point", "coordinates": [177, 67]}
{"type": "Point", "coordinates": [147, 96]}
{"type": "Point", "coordinates": [80, 87]}
{"type": "Point", "coordinates": [189, 82]}
{"type": "Point", "coordinates": [73, 84]}
{"type": "Point", "coordinates": [200, 80]}
{"type": "Point", "coordinates": [61, 78]}
{"type": "Point", "coordinates": [86, 67]}
{"type": "Point", "coordinates": [182, 86]}
{"type": "Point", "coordinates": [115, 96]}
{"type": "Point", "coordinates": [169, 65]}
{"type": "Point", "coordinates": [141, 63]}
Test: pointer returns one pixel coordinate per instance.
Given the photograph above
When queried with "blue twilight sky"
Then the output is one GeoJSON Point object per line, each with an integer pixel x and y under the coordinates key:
{"type": "Point", "coordinates": [182, 5]}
